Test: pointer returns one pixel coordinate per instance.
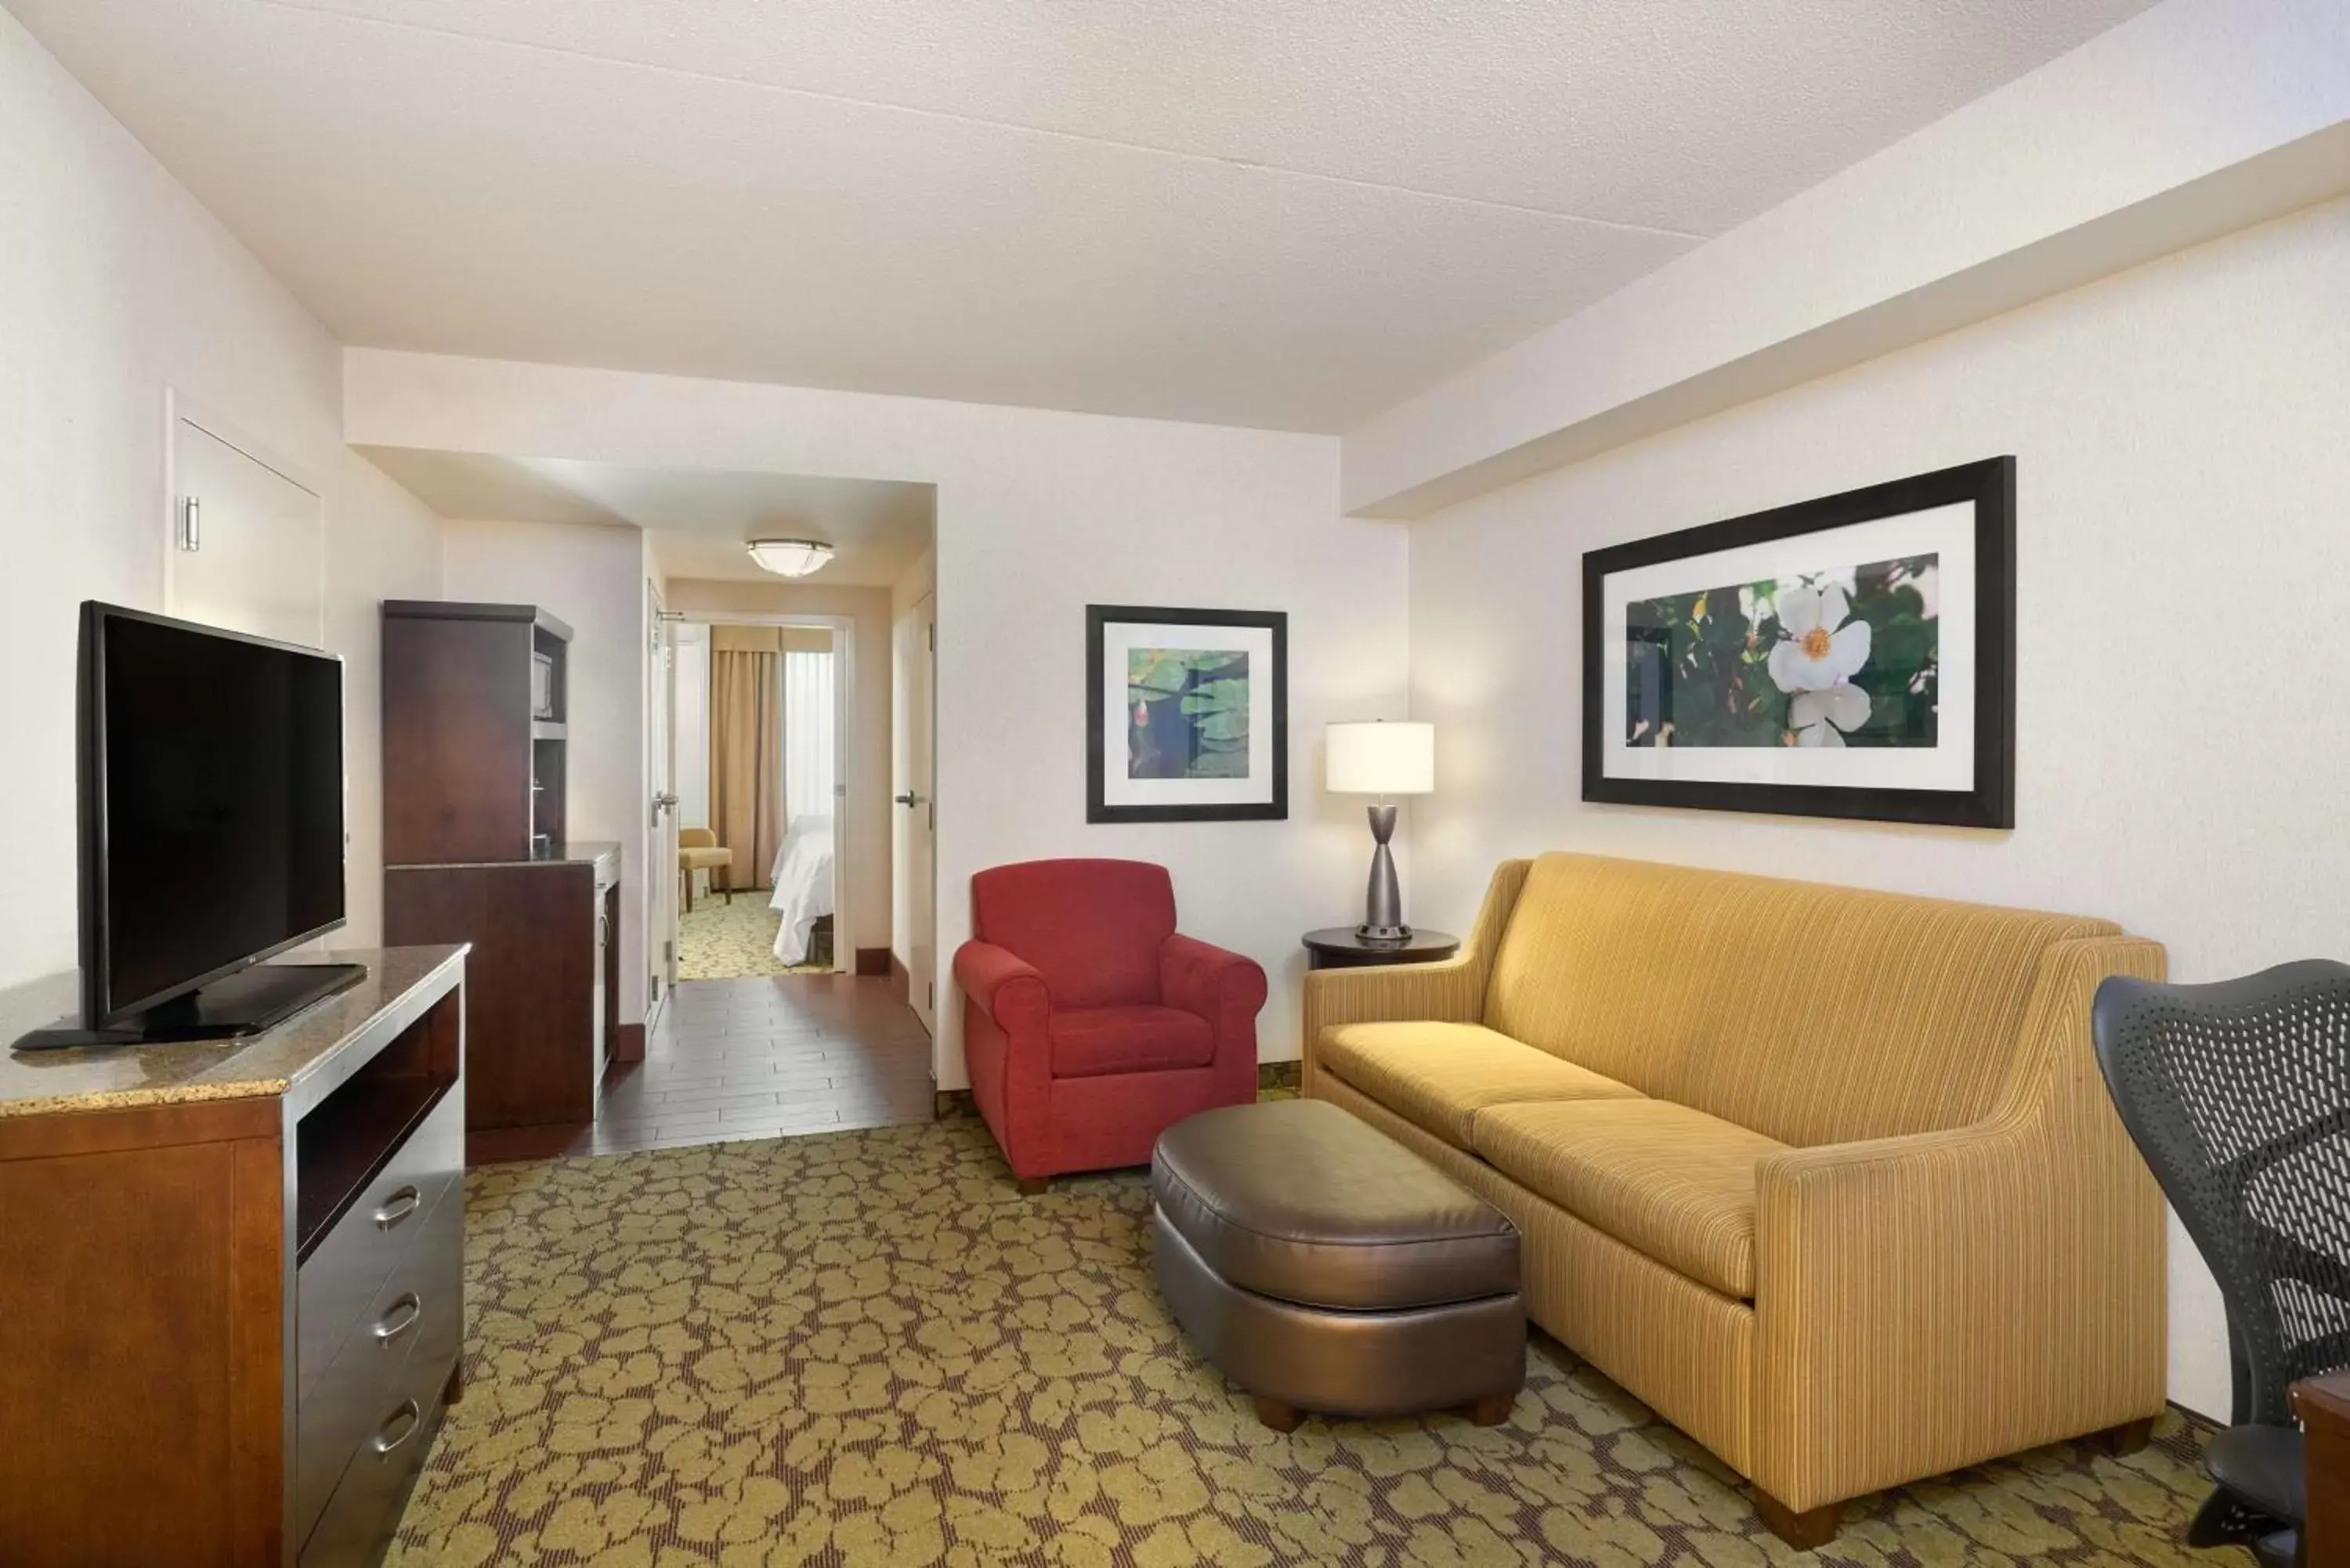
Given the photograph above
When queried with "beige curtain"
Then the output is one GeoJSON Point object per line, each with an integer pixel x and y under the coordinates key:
{"type": "Point", "coordinates": [746, 747]}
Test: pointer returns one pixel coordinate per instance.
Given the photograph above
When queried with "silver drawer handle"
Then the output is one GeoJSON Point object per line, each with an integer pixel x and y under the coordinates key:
{"type": "Point", "coordinates": [409, 1417]}
{"type": "Point", "coordinates": [408, 1308]}
{"type": "Point", "coordinates": [396, 1208]}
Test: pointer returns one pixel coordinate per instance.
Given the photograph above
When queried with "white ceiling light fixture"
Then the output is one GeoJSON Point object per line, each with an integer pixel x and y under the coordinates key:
{"type": "Point", "coordinates": [789, 557]}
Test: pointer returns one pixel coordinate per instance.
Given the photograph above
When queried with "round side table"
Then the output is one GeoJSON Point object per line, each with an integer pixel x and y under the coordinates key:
{"type": "Point", "coordinates": [1339, 947]}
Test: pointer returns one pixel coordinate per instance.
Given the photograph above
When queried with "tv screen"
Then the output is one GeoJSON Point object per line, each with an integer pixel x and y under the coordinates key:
{"type": "Point", "coordinates": [214, 777]}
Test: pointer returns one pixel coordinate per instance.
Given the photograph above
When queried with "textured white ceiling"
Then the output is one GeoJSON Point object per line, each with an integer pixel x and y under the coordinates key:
{"type": "Point", "coordinates": [699, 520]}
{"type": "Point", "coordinates": [1293, 214]}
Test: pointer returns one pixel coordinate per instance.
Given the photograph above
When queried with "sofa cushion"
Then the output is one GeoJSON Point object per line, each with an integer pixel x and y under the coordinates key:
{"type": "Point", "coordinates": [1440, 1075]}
{"type": "Point", "coordinates": [1674, 1182]}
{"type": "Point", "coordinates": [1088, 1042]}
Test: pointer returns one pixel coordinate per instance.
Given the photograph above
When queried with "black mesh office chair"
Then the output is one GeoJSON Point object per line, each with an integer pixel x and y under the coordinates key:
{"type": "Point", "coordinates": [2238, 1093]}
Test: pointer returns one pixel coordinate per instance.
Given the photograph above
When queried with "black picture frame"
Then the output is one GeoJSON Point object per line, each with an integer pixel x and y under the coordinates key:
{"type": "Point", "coordinates": [1989, 486]}
{"type": "Point", "coordinates": [1099, 618]}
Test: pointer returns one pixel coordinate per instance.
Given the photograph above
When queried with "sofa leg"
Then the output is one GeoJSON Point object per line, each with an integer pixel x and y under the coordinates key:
{"type": "Point", "coordinates": [1805, 1531]}
{"type": "Point", "coordinates": [1491, 1410]}
{"type": "Point", "coordinates": [2126, 1438]}
{"type": "Point", "coordinates": [1034, 1186]}
{"type": "Point", "coordinates": [1277, 1414]}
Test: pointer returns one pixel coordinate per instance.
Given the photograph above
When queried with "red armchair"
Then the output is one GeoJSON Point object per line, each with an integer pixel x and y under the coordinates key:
{"type": "Point", "coordinates": [1089, 1026]}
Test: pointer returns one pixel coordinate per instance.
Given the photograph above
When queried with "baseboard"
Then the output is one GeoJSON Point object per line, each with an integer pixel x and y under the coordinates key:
{"type": "Point", "coordinates": [628, 1043]}
{"type": "Point", "coordinates": [902, 984]}
{"type": "Point", "coordinates": [873, 961]}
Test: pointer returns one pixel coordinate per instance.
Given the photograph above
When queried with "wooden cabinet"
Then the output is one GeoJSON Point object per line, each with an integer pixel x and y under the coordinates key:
{"type": "Point", "coordinates": [232, 1294]}
{"type": "Point", "coordinates": [476, 737]}
{"type": "Point", "coordinates": [543, 966]}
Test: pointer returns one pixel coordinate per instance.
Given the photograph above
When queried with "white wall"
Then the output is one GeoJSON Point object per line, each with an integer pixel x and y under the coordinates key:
{"type": "Point", "coordinates": [2182, 736]}
{"type": "Point", "coordinates": [1039, 514]}
{"type": "Point", "coordinates": [592, 579]}
{"type": "Point", "coordinates": [865, 843]}
{"type": "Point", "coordinates": [114, 285]}
{"type": "Point", "coordinates": [381, 543]}
{"type": "Point", "coordinates": [2190, 121]}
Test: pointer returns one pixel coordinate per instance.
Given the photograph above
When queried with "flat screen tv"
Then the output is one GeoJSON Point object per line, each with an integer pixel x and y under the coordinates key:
{"type": "Point", "coordinates": [211, 827]}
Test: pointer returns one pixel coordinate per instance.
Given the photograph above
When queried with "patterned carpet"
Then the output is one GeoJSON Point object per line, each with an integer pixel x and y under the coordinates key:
{"type": "Point", "coordinates": [868, 1349]}
{"type": "Point", "coordinates": [720, 941]}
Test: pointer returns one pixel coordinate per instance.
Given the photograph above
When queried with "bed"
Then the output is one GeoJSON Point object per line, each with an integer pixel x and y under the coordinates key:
{"type": "Point", "coordinates": [801, 879]}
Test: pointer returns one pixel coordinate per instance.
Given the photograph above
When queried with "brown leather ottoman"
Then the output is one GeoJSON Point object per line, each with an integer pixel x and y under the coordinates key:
{"type": "Point", "coordinates": [1324, 1267]}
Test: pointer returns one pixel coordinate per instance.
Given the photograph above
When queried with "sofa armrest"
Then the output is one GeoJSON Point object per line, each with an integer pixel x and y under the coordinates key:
{"type": "Point", "coordinates": [1453, 992]}
{"type": "Point", "coordinates": [1225, 988]}
{"type": "Point", "coordinates": [1929, 1301]}
{"type": "Point", "coordinates": [1004, 985]}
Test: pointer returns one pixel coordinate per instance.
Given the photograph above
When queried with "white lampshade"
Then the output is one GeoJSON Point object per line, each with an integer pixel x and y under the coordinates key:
{"type": "Point", "coordinates": [1389, 757]}
{"type": "Point", "coordinates": [789, 557]}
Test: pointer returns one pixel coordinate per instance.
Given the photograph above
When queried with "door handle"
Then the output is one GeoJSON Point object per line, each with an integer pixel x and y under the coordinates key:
{"type": "Point", "coordinates": [909, 798]}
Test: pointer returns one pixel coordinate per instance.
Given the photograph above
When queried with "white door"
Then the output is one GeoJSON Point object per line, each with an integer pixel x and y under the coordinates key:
{"type": "Point", "coordinates": [661, 771]}
{"type": "Point", "coordinates": [918, 802]}
{"type": "Point", "coordinates": [248, 545]}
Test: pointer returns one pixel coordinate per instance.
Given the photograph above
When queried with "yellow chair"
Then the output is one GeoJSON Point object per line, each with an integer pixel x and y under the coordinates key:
{"type": "Point", "coordinates": [698, 850]}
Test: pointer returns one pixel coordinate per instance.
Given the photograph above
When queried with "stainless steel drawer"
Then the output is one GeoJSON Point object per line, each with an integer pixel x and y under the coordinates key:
{"type": "Point", "coordinates": [356, 1524]}
{"type": "Point", "coordinates": [346, 1271]}
{"type": "Point", "coordinates": [415, 1319]}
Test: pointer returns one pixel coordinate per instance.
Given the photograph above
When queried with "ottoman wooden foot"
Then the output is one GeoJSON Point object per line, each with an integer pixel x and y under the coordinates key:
{"type": "Point", "coordinates": [1034, 1186]}
{"type": "Point", "coordinates": [2126, 1438]}
{"type": "Point", "coordinates": [1279, 1416]}
{"type": "Point", "coordinates": [1805, 1531]}
{"type": "Point", "coordinates": [1491, 1410]}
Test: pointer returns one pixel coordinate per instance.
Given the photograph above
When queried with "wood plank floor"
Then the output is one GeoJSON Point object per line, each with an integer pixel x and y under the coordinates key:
{"type": "Point", "coordinates": [749, 1058]}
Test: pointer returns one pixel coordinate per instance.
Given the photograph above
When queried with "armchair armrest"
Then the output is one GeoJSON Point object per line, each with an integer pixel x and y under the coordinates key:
{"type": "Point", "coordinates": [1006, 986]}
{"type": "Point", "coordinates": [1225, 988]}
{"type": "Point", "coordinates": [1927, 1301]}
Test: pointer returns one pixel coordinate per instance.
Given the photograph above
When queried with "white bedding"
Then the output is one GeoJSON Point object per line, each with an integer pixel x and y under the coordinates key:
{"type": "Point", "coordinates": [803, 883]}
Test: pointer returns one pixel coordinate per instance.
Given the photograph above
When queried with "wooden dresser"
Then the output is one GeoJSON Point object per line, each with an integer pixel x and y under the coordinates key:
{"type": "Point", "coordinates": [475, 731]}
{"type": "Point", "coordinates": [231, 1297]}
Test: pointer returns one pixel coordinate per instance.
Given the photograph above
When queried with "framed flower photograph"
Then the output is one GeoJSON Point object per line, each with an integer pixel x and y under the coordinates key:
{"type": "Point", "coordinates": [1188, 714]}
{"type": "Point", "coordinates": [1853, 656]}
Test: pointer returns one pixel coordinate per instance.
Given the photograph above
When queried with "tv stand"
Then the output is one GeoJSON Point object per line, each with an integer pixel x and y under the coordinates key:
{"type": "Point", "coordinates": [232, 1282]}
{"type": "Point", "coordinates": [246, 1003]}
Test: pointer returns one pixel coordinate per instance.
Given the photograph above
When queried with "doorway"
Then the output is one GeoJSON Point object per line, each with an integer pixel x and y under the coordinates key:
{"type": "Point", "coordinates": [760, 709]}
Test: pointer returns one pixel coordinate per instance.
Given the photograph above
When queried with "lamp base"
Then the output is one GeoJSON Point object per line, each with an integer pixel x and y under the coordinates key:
{"type": "Point", "coordinates": [1383, 900]}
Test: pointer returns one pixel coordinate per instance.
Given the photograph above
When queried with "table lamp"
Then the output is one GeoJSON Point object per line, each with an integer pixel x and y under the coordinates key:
{"type": "Point", "coordinates": [1381, 758]}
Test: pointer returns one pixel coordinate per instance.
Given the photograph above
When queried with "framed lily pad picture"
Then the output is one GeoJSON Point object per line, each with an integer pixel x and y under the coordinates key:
{"type": "Point", "coordinates": [1188, 714]}
{"type": "Point", "coordinates": [1851, 656]}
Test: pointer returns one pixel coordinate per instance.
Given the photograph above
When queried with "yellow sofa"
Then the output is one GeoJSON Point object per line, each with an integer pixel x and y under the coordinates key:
{"type": "Point", "coordinates": [1827, 1178]}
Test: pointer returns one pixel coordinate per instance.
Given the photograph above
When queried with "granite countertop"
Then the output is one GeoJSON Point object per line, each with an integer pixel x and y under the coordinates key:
{"type": "Point", "coordinates": [573, 852]}
{"type": "Point", "coordinates": [92, 1078]}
